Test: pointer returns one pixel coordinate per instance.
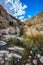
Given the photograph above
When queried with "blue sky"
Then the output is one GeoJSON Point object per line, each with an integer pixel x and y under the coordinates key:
{"type": "Point", "coordinates": [23, 9]}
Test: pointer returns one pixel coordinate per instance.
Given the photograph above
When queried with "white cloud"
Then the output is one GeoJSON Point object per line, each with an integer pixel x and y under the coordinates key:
{"type": "Point", "coordinates": [18, 7]}
{"type": "Point", "coordinates": [7, 1]}
{"type": "Point", "coordinates": [24, 19]}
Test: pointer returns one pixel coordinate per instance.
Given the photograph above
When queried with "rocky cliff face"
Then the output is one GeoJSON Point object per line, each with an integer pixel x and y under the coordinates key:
{"type": "Point", "coordinates": [7, 19]}
{"type": "Point", "coordinates": [8, 22]}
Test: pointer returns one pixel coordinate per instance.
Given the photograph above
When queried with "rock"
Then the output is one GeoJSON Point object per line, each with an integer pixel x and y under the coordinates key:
{"type": "Point", "coordinates": [30, 57]}
{"type": "Point", "coordinates": [14, 54]}
{"type": "Point", "coordinates": [38, 55]}
{"type": "Point", "coordinates": [16, 60]}
{"type": "Point", "coordinates": [31, 52]}
{"type": "Point", "coordinates": [2, 61]}
{"type": "Point", "coordinates": [17, 49]}
{"type": "Point", "coordinates": [28, 64]}
{"type": "Point", "coordinates": [4, 51]}
{"type": "Point", "coordinates": [11, 31]}
{"type": "Point", "coordinates": [2, 43]}
{"type": "Point", "coordinates": [41, 59]}
{"type": "Point", "coordinates": [29, 60]}
{"type": "Point", "coordinates": [35, 62]}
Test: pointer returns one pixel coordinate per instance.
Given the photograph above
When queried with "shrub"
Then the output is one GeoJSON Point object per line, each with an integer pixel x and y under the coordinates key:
{"type": "Point", "coordinates": [11, 61]}
{"type": "Point", "coordinates": [39, 41]}
{"type": "Point", "coordinates": [21, 31]}
{"type": "Point", "coordinates": [14, 41]}
{"type": "Point", "coordinates": [32, 42]}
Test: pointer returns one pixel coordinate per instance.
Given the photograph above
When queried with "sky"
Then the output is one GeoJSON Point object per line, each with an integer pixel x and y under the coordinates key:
{"type": "Point", "coordinates": [23, 9]}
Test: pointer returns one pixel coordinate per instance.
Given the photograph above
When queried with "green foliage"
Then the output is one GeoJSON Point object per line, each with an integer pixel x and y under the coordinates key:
{"type": "Point", "coordinates": [26, 43]}
{"type": "Point", "coordinates": [13, 41]}
{"type": "Point", "coordinates": [10, 61]}
{"type": "Point", "coordinates": [34, 42]}
{"type": "Point", "coordinates": [38, 40]}
{"type": "Point", "coordinates": [24, 35]}
{"type": "Point", "coordinates": [21, 31]}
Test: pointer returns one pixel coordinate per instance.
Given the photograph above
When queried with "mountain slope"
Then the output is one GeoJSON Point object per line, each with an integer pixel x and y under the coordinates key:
{"type": "Point", "coordinates": [34, 25]}
{"type": "Point", "coordinates": [35, 20]}
{"type": "Point", "coordinates": [8, 23]}
{"type": "Point", "coordinates": [6, 19]}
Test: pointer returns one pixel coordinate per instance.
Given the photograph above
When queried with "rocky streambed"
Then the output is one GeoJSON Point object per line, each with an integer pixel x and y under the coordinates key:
{"type": "Point", "coordinates": [22, 56]}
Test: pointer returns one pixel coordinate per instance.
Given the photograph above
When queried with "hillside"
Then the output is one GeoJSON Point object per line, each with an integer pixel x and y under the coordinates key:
{"type": "Point", "coordinates": [35, 20]}
{"type": "Point", "coordinates": [8, 23]}
{"type": "Point", "coordinates": [6, 19]}
{"type": "Point", "coordinates": [34, 25]}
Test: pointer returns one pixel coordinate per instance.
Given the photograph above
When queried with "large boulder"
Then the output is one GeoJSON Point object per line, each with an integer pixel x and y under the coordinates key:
{"type": "Point", "coordinates": [11, 30]}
